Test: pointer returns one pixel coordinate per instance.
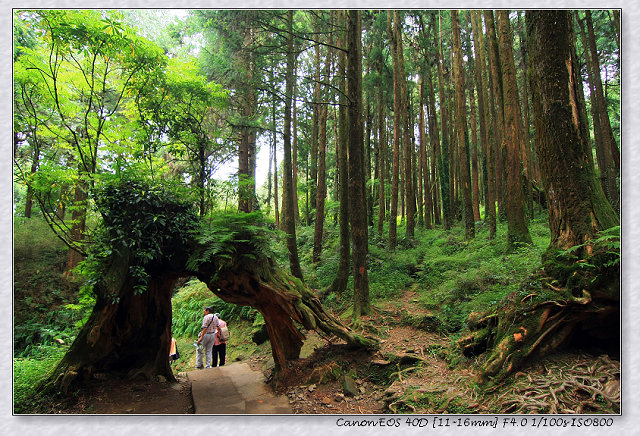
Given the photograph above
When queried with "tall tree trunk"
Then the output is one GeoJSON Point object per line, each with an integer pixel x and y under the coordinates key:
{"type": "Point", "coordinates": [461, 129]}
{"type": "Point", "coordinates": [475, 168]}
{"type": "Point", "coordinates": [486, 122]}
{"type": "Point", "coordinates": [528, 150]}
{"type": "Point", "coordinates": [313, 182]}
{"type": "Point", "coordinates": [443, 164]}
{"type": "Point", "coordinates": [294, 151]}
{"type": "Point", "coordinates": [397, 125]}
{"type": "Point", "coordinates": [425, 192]}
{"type": "Point", "coordinates": [339, 283]}
{"type": "Point", "coordinates": [275, 182]}
{"type": "Point", "coordinates": [357, 191]}
{"type": "Point", "coordinates": [475, 182]}
{"type": "Point", "coordinates": [607, 149]}
{"type": "Point", "coordinates": [367, 165]}
{"type": "Point", "coordinates": [382, 151]}
{"type": "Point", "coordinates": [518, 232]}
{"type": "Point", "coordinates": [78, 219]}
{"type": "Point", "coordinates": [434, 137]}
{"type": "Point", "coordinates": [246, 184]}
{"type": "Point", "coordinates": [576, 202]}
{"type": "Point", "coordinates": [608, 137]}
{"type": "Point", "coordinates": [322, 166]}
{"type": "Point", "coordinates": [404, 132]}
{"type": "Point", "coordinates": [498, 124]}
{"type": "Point", "coordinates": [35, 162]}
{"type": "Point", "coordinates": [290, 225]}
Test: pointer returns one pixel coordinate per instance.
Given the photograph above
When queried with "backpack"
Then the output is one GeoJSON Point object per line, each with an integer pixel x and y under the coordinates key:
{"type": "Point", "coordinates": [223, 333]}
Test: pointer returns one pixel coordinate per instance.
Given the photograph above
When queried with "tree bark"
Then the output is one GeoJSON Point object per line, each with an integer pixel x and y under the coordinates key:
{"type": "Point", "coordinates": [357, 191]}
{"type": "Point", "coordinates": [425, 192]}
{"type": "Point", "coordinates": [339, 284]}
{"type": "Point", "coordinates": [382, 151]}
{"type": "Point", "coordinates": [405, 132]}
{"type": "Point", "coordinates": [489, 139]}
{"type": "Point", "coordinates": [397, 125]}
{"type": "Point", "coordinates": [461, 129]}
{"type": "Point", "coordinates": [289, 219]}
{"type": "Point", "coordinates": [483, 116]}
{"type": "Point", "coordinates": [498, 123]}
{"type": "Point", "coordinates": [443, 164]}
{"type": "Point", "coordinates": [322, 168]}
{"type": "Point", "coordinates": [518, 232]}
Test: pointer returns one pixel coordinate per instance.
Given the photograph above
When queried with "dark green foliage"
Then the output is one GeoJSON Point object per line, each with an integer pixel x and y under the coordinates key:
{"type": "Point", "coordinates": [150, 223]}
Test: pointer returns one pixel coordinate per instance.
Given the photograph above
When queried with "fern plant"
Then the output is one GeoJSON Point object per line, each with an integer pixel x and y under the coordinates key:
{"type": "Point", "coordinates": [234, 240]}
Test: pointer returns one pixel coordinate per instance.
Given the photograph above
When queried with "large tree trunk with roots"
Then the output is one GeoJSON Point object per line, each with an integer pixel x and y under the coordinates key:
{"type": "Point", "coordinates": [574, 298]}
{"type": "Point", "coordinates": [129, 331]}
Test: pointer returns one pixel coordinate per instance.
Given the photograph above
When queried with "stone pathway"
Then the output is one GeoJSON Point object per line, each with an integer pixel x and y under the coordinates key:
{"type": "Point", "coordinates": [234, 389]}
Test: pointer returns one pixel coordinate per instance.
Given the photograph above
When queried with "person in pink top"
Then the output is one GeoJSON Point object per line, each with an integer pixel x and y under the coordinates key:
{"type": "Point", "coordinates": [219, 346]}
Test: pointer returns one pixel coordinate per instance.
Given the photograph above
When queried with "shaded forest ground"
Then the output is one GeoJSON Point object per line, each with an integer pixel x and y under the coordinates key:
{"type": "Point", "coordinates": [422, 295]}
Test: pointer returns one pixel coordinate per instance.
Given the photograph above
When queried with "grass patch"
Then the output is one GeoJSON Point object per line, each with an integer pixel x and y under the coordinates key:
{"type": "Point", "coordinates": [29, 372]}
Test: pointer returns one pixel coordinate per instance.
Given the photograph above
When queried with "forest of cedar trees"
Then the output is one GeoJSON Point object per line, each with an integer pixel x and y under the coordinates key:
{"type": "Point", "coordinates": [314, 171]}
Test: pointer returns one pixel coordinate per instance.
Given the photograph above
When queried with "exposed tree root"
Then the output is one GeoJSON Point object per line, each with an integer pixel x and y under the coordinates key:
{"type": "Point", "coordinates": [544, 316]}
{"type": "Point", "coordinates": [583, 384]}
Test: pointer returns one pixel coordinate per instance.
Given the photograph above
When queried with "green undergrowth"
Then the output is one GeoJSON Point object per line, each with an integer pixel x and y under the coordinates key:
{"type": "Point", "coordinates": [30, 371]}
{"type": "Point", "coordinates": [452, 276]}
{"type": "Point", "coordinates": [189, 301]}
{"type": "Point", "coordinates": [458, 277]}
{"type": "Point", "coordinates": [47, 305]}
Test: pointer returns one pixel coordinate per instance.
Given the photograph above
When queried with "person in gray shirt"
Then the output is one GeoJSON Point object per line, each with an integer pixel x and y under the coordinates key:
{"type": "Point", "coordinates": [206, 338]}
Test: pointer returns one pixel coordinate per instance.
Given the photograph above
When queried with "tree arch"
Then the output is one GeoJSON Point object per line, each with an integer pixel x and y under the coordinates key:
{"type": "Point", "coordinates": [150, 239]}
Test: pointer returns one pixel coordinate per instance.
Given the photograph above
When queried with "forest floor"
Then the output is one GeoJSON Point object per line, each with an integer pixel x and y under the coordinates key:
{"type": "Point", "coordinates": [409, 374]}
